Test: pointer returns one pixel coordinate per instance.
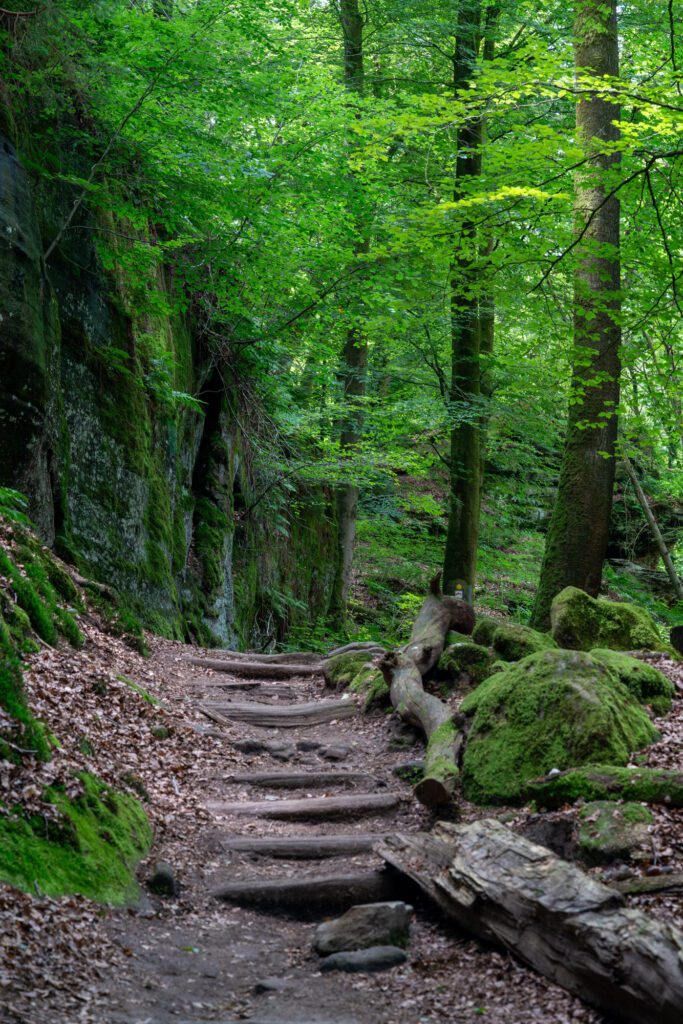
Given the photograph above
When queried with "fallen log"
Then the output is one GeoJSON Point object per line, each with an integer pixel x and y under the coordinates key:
{"type": "Point", "coordinates": [271, 716]}
{"type": "Point", "coordinates": [649, 884]}
{"type": "Point", "coordinates": [606, 782]}
{"type": "Point", "coordinates": [255, 669]}
{"type": "Point", "coordinates": [304, 847]}
{"type": "Point", "coordinates": [309, 808]}
{"type": "Point", "coordinates": [299, 780]}
{"type": "Point", "coordinates": [357, 645]}
{"type": "Point", "coordinates": [569, 927]}
{"type": "Point", "coordinates": [311, 895]}
{"type": "Point", "coordinates": [403, 672]}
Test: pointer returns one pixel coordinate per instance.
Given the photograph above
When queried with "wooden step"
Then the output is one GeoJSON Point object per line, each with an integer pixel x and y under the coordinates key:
{"type": "Point", "coordinates": [304, 847]}
{"type": "Point", "coordinates": [299, 780]}
{"type": "Point", "coordinates": [311, 807]}
{"type": "Point", "coordinates": [290, 716]}
{"type": "Point", "coordinates": [256, 670]}
{"type": "Point", "coordinates": [313, 894]}
{"type": "Point", "coordinates": [256, 685]}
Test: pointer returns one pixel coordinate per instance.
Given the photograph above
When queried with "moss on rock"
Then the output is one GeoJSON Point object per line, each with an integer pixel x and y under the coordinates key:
{"type": "Point", "coordinates": [91, 848]}
{"type": "Point", "coordinates": [645, 682]}
{"type": "Point", "coordinates": [484, 629]}
{"type": "Point", "coordinates": [466, 659]}
{"type": "Point", "coordinates": [511, 642]}
{"type": "Point", "coordinates": [609, 831]}
{"type": "Point", "coordinates": [554, 709]}
{"type": "Point", "coordinates": [582, 623]}
{"type": "Point", "coordinates": [607, 782]}
{"type": "Point", "coordinates": [354, 671]}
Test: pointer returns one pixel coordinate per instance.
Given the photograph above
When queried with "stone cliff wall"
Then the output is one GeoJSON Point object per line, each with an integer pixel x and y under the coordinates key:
{"type": "Point", "coordinates": [151, 496]}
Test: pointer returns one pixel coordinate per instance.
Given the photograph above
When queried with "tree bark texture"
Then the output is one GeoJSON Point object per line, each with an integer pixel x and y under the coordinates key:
{"type": "Point", "coordinates": [579, 525]}
{"type": "Point", "coordinates": [354, 362]}
{"type": "Point", "coordinates": [567, 926]}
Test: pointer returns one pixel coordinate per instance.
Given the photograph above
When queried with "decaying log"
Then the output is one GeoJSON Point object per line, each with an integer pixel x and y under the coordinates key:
{"type": "Point", "coordinates": [403, 672]}
{"type": "Point", "coordinates": [313, 894]}
{"type": "Point", "coordinates": [569, 927]}
{"type": "Point", "coordinates": [300, 780]}
{"type": "Point", "coordinates": [310, 808]}
{"type": "Point", "coordinates": [271, 716]}
{"type": "Point", "coordinates": [651, 884]}
{"type": "Point", "coordinates": [303, 847]}
{"type": "Point", "coordinates": [255, 669]}
{"type": "Point", "coordinates": [606, 782]}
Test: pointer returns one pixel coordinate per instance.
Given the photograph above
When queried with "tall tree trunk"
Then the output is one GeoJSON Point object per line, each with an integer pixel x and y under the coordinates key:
{"type": "Point", "coordinates": [460, 558]}
{"type": "Point", "coordinates": [579, 526]}
{"type": "Point", "coordinates": [355, 355]}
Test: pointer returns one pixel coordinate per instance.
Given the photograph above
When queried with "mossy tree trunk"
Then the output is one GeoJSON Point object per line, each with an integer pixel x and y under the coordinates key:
{"type": "Point", "coordinates": [472, 324]}
{"type": "Point", "coordinates": [353, 371]}
{"type": "Point", "coordinates": [579, 526]}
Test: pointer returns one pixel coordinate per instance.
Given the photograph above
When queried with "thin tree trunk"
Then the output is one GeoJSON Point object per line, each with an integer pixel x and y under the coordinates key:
{"type": "Point", "coordinates": [579, 526]}
{"type": "Point", "coordinates": [471, 326]}
{"type": "Point", "coordinates": [654, 527]}
{"type": "Point", "coordinates": [355, 355]}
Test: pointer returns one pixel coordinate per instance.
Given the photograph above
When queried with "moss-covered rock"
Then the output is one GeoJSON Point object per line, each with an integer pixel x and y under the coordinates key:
{"type": "Point", "coordinates": [511, 642]}
{"type": "Point", "coordinates": [91, 847]}
{"type": "Point", "coordinates": [609, 831]}
{"type": "Point", "coordinates": [555, 709]}
{"type": "Point", "coordinates": [354, 671]}
{"type": "Point", "coordinates": [582, 623]}
{"type": "Point", "coordinates": [607, 782]}
{"type": "Point", "coordinates": [466, 659]}
{"type": "Point", "coordinates": [645, 682]}
{"type": "Point", "coordinates": [484, 629]}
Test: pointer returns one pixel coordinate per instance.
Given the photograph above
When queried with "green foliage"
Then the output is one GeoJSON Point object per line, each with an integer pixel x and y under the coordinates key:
{"type": "Point", "coordinates": [91, 848]}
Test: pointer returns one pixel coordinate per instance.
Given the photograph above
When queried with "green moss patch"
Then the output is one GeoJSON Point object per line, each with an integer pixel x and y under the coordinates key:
{"type": "Point", "coordinates": [606, 782]}
{"type": "Point", "coordinates": [552, 710]}
{"type": "Point", "coordinates": [645, 682]}
{"type": "Point", "coordinates": [511, 642]}
{"type": "Point", "coordinates": [466, 659]}
{"type": "Point", "coordinates": [582, 623]}
{"type": "Point", "coordinates": [484, 629]}
{"type": "Point", "coordinates": [609, 831]}
{"type": "Point", "coordinates": [92, 848]}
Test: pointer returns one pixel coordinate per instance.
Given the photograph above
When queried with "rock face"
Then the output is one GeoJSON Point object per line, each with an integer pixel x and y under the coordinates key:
{"type": "Point", "coordinates": [376, 958]}
{"type": "Point", "coordinates": [553, 710]}
{"type": "Point", "coordinates": [583, 623]}
{"type": "Point", "coordinates": [645, 682]}
{"type": "Point", "coordinates": [138, 485]}
{"type": "Point", "coordinates": [466, 659]}
{"type": "Point", "coordinates": [512, 642]}
{"type": "Point", "coordinates": [609, 831]}
{"type": "Point", "coordinates": [365, 925]}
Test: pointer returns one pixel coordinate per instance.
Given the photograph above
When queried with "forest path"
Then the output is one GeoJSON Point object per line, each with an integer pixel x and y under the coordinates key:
{"type": "Point", "coordinates": [300, 788]}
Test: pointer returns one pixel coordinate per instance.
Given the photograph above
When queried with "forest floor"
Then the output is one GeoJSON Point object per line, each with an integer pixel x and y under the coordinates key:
{"type": "Point", "coordinates": [192, 958]}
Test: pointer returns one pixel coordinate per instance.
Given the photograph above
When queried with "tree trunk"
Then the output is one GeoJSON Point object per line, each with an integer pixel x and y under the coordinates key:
{"type": "Point", "coordinates": [579, 526]}
{"type": "Point", "coordinates": [567, 926]}
{"type": "Point", "coordinates": [353, 374]}
{"type": "Point", "coordinates": [472, 326]}
{"type": "Point", "coordinates": [654, 527]}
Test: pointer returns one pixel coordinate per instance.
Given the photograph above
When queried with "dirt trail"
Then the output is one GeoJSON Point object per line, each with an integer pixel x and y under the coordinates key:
{"type": "Point", "coordinates": [195, 958]}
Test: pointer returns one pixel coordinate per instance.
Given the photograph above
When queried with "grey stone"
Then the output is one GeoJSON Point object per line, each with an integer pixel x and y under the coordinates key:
{"type": "Point", "coordinates": [334, 752]}
{"type": "Point", "coordinates": [363, 926]}
{"type": "Point", "coordinates": [306, 746]}
{"type": "Point", "coordinates": [272, 985]}
{"type": "Point", "coordinates": [376, 958]}
{"type": "Point", "coordinates": [162, 881]}
{"type": "Point", "coordinates": [409, 771]}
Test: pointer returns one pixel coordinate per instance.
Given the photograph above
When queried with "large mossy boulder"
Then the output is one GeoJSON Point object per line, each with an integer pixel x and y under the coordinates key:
{"type": "Point", "coordinates": [484, 629]}
{"type": "Point", "coordinates": [645, 682]}
{"type": "Point", "coordinates": [512, 642]}
{"type": "Point", "coordinates": [582, 623]}
{"type": "Point", "coordinates": [552, 710]}
{"type": "Point", "coordinates": [466, 659]}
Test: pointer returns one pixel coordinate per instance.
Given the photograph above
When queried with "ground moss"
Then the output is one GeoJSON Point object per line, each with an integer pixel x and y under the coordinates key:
{"type": "Point", "coordinates": [646, 683]}
{"type": "Point", "coordinates": [555, 709]}
{"type": "Point", "coordinates": [92, 849]}
{"type": "Point", "coordinates": [582, 623]}
{"type": "Point", "coordinates": [511, 642]}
